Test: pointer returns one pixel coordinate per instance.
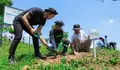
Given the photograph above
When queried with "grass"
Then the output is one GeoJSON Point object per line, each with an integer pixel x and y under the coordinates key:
{"type": "Point", "coordinates": [106, 59]}
{"type": "Point", "coordinates": [23, 54]}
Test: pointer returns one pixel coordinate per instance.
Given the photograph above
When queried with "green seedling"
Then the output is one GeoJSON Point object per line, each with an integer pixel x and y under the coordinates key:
{"type": "Point", "coordinates": [61, 44]}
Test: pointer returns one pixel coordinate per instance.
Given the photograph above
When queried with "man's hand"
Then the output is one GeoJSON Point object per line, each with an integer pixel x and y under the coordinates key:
{"type": "Point", "coordinates": [76, 53]}
{"type": "Point", "coordinates": [88, 37]}
{"type": "Point", "coordinates": [33, 31]}
{"type": "Point", "coordinates": [43, 41]}
{"type": "Point", "coordinates": [63, 39]}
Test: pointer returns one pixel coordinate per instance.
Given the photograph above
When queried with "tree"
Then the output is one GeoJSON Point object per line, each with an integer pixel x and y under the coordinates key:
{"type": "Point", "coordinates": [1, 19]}
{"type": "Point", "coordinates": [53, 26]}
{"type": "Point", "coordinates": [11, 30]}
{"type": "Point", "coordinates": [4, 3]}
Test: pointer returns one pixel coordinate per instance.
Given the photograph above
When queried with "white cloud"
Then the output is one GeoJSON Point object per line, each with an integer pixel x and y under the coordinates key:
{"type": "Point", "coordinates": [110, 21]}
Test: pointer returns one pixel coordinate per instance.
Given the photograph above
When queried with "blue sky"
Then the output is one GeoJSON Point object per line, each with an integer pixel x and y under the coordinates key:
{"type": "Point", "coordinates": [90, 14]}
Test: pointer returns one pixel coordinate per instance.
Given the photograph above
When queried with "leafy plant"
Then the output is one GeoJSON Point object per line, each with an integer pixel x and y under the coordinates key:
{"type": "Point", "coordinates": [84, 61]}
{"type": "Point", "coordinates": [61, 44]}
{"type": "Point", "coordinates": [104, 68]}
{"type": "Point", "coordinates": [11, 30]}
{"type": "Point", "coordinates": [61, 67]}
{"type": "Point", "coordinates": [74, 63]}
{"type": "Point", "coordinates": [63, 60]}
{"type": "Point", "coordinates": [113, 61]}
{"type": "Point", "coordinates": [47, 67]}
{"type": "Point", "coordinates": [83, 69]}
{"type": "Point", "coordinates": [90, 68]}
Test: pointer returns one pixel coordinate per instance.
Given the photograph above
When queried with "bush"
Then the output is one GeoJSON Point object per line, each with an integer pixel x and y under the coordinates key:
{"type": "Point", "coordinates": [11, 30]}
{"type": "Point", "coordinates": [113, 61]}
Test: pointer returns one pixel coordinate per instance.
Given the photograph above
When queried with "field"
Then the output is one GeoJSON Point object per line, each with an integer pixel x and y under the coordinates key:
{"type": "Point", "coordinates": [106, 59]}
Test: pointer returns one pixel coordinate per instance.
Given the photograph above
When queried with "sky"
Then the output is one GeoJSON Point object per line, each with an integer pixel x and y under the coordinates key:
{"type": "Point", "coordinates": [90, 14]}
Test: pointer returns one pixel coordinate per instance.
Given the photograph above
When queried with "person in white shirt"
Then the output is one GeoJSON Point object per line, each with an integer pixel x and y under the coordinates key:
{"type": "Point", "coordinates": [106, 42]}
{"type": "Point", "coordinates": [80, 42]}
{"type": "Point", "coordinates": [100, 42]}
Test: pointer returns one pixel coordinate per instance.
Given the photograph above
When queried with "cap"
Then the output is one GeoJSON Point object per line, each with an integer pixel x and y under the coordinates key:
{"type": "Point", "coordinates": [76, 27]}
{"type": "Point", "coordinates": [105, 35]}
{"type": "Point", "coordinates": [59, 22]}
{"type": "Point", "coordinates": [52, 10]}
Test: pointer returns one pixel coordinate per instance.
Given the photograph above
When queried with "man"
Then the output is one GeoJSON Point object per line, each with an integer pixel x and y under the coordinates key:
{"type": "Point", "coordinates": [100, 42]}
{"type": "Point", "coordinates": [102, 39]}
{"type": "Point", "coordinates": [57, 35]}
{"type": "Point", "coordinates": [106, 42]}
{"type": "Point", "coordinates": [113, 45]}
{"type": "Point", "coordinates": [80, 42]}
{"type": "Point", "coordinates": [25, 21]}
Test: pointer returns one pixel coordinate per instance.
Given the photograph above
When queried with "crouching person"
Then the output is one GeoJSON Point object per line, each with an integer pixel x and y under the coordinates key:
{"type": "Point", "coordinates": [57, 36]}
{"type": "Point", "coordinates": [113, 45]}
{"type": "Point", "coordinates": [80, 42]}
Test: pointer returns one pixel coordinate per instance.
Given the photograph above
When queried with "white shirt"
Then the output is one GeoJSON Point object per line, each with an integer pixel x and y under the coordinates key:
{"type": "Point", "coordinates": [106, 41]}
{"type": "Point", "coordinates": [81, 36]}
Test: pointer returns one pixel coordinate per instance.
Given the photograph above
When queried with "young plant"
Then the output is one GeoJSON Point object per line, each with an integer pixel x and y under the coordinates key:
{"type": "Point", "coordinates": [63, 60]}
{"type": "Point", "coordinates": [113, 61]}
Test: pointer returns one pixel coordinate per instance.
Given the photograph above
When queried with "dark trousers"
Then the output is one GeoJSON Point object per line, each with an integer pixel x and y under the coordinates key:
{"type": "Point", "coordinates": [19, 27]}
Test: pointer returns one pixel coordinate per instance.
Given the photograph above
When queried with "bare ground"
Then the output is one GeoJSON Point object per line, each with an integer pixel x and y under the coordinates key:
{"type": "Point", "coordinates": [53, 60]}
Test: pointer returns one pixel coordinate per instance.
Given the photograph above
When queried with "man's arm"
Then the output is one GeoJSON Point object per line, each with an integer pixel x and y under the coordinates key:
{"type": "Point", "coordinates": [25, 21]}
{"type": "Point", "coordinates": [71, 46]}
{"type": "Point", "coordinates": [39, 29]}
{"type": "Point", "coordinates": [31, 13]}
{"type": "Point", "coordinates": [41, 38]}
{"type": "Point", "coordinates": [85, 35]}
{"type": "Point", "coordinates": [73, 50]}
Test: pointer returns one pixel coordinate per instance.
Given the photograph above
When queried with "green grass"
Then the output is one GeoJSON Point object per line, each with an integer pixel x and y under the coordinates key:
{"type": "Point", "coordinates": [25, 56]}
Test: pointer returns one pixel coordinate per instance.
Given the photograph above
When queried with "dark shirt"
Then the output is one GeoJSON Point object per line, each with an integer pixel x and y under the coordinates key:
{"type": "Point", "coordinates": [36, 16]}
{"type": "Point", "coordinates": [56, 35]}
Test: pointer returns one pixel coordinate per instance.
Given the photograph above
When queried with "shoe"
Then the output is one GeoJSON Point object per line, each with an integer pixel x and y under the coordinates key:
{"type": "Point", "coordinates": [11, 60]}
{"type": "Point", "coordinates": [40, 56]}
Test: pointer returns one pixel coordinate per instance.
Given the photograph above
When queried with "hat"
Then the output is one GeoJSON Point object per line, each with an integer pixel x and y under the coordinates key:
{"type": "Point", "coordinates": [59, 22]}
{"type": "Point", "coordinates": [52, 10]}
{"type": "Point", "coordinates": [105, 35]}
{"type": "Point", "coordinates": [76, 27]}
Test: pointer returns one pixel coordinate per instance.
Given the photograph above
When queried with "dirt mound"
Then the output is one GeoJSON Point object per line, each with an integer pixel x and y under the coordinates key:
{"type": "Point", "coordinates": [57, 59]}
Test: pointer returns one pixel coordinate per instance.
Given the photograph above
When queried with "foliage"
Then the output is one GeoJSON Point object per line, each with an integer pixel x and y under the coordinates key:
{"type": "Point", "coordinates": [106, 59]}
{"type": "Point", "coordinates": [11, 30]}
{"type": "Point", "coordinates": [4, 3]}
